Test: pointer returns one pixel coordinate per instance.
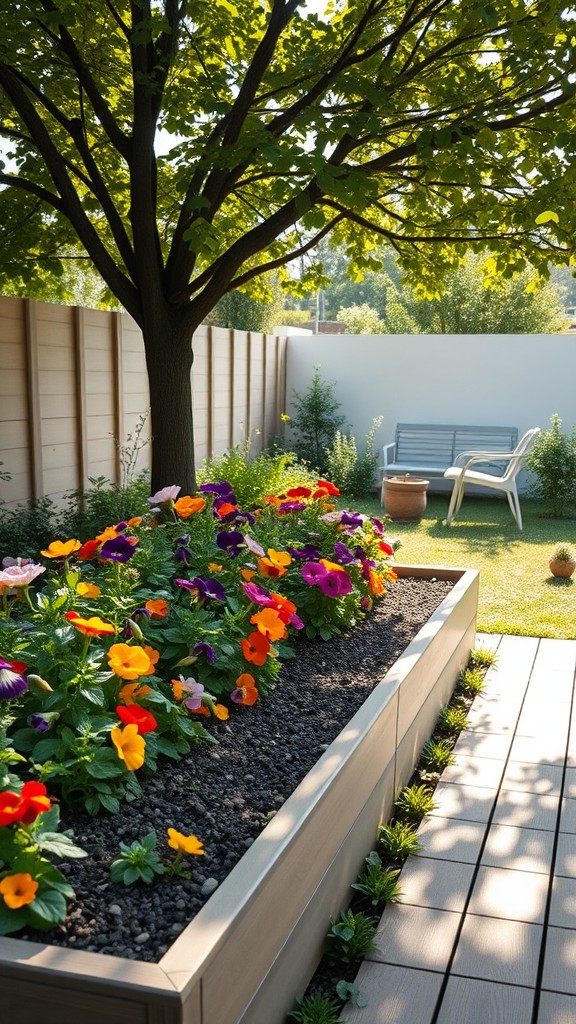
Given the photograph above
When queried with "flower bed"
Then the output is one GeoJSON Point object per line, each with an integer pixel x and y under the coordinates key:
{"type": "Point", "coordinates": [326, 584]}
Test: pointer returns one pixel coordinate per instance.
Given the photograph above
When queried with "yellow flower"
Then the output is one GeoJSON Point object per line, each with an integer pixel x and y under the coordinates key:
{"type": "Point", "coordinates": [214, 567]}
{"type": "Point", "coordinates": [87, 590]}
{"type": "Point", "coordinates": [221, 712]}
{"type": "Point", "coordinates": [61, 548]}
{"type": "Point", "coordinates": [129, 662]}
{"type": "Point", "coordinates": [130, 746]}
{"type": "Point", "coordinates": [18, 890]}
{"type": "Point", "coordinates": [108, 534]}
{"type": "Point", "coordinates": [185, 844]}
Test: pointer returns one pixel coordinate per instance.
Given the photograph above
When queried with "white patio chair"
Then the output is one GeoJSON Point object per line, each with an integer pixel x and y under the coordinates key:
{"type": "Point", "coordinates": [462, 474]}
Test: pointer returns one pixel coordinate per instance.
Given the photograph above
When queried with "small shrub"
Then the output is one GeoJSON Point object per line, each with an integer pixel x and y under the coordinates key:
{"type": "Point", "coordinates": [563, 553]}
{"type": "Point", "coordinates": [437, 755]}
{"type": "Point", "coordinates": [377, 883]}
{"type": "Point", "coordinates": [482, 657]}
{"type": "Point", "coordinates": [27, 528]}
{"type": "Point", "coordinates": [138, 862]}
{"type": "Point", "coordinates": [351, 938]}
{"type": "Point", "coordinates": [553, 461]}
{"type": "Point", "coordinates": [252, 478]}
{"type": "Point", "coordinates": [471, 682]}
{"type": "Point", "coordinates": [452, 719]}
{"type": "Point", "coordinates": [316, 1009]}
{"type": "Point", "coordinates": [415, 801]}
{"type": "Point", "coordinates": [398, 840]}
{"type": "Point", "coordinates": [354, 476]}
{"type": "Point", "coordinates": [315, 422]}
{"type": "Point", "coordinates": [102, 504]}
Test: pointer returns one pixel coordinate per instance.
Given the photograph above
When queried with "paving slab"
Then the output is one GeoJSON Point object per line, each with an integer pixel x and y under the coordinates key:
{"type": "Point", "coordinates": [498, 950]}
{"type": "Point", "coordinates": [559, 973]}
{"type": "Point", "coordinates": [514, 895]}
{"type": "Point", "coordinates": [451, 839]}
{"type": "Point", "coordinates": [395, 995]}
{"type": "Point", "coordinates": [470, 1001]}
{"type": "Point", "coordinates": [416, 937]}
{"type": "Point", "coordinates": [523, 849]}
{"type": "Point", "coordinates": [563, 903]}
{"type": "Point", "coordinates": [526, 810]}
{"type": "Point", "coordinates": [428, 882]}
{"type": "Point", "coordinates": [556, 1009]}
{"type": "Point", "coordinates": [470, 803]}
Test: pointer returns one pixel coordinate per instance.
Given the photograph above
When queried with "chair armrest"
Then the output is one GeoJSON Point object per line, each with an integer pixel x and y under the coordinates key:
{"type": "Point", "coordinates": [476, 456]}
{"type": "Point", "coordinates": [389, 451]}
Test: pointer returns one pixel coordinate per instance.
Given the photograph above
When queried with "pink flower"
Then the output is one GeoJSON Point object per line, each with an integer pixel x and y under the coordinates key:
{"type": "Point", "coordinates": [253, 546]}
{"type": "Point", "coordinates": [20, 575]}
{"type": "Point", "coordinates": [166, 494]}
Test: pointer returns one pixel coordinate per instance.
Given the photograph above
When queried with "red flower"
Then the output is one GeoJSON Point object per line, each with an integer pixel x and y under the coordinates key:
{"type": "Point", "coordinates": [299, 492]}
{"type": "Point", "coordinates": [255, 648]}
{"type": "Point", "coordinates": [331, 488]}
{"type": "Point", "coordinates": [88, 550]}
{"type": "Point", "coordinates": [24, 806]}
{"type": "Point", "coordinates": [386, 547]}
{"type": "Point", "coordinates": [133, 714]}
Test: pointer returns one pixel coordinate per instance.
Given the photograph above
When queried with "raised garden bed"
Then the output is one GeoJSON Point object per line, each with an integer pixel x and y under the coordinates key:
{"type": "Point", "coordinates": [255, 943]}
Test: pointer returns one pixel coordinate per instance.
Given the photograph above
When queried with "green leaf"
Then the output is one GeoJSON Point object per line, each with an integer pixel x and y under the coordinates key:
{"type": "Point", "coordinates": [111, 803]}
{"type": "Point", "coordinates": [47, 910]}
{"type": "Point", "coordinates": [60, 845]}
{"type": "Point", "coordinates": [12, 920]}
{"type": "Point", "coordinates": [546, 216]}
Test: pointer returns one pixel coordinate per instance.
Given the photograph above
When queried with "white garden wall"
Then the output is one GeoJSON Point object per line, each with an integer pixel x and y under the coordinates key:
{"type": "Point", "coordinates": [503, 379]}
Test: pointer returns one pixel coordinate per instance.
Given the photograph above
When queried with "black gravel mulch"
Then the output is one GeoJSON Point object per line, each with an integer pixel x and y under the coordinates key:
{"type": "Point", "coordinates": [225, 794]}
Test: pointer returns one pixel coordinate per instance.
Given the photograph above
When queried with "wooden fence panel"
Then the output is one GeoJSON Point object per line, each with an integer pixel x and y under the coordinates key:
{"type": "Point", "coordinates": [74, 393]}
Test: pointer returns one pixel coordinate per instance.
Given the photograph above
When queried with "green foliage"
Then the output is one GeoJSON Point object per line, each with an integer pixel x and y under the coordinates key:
{"type": "Point", "coordinates": [437, 755]}
{"type": "Point", "coordinates": [316, 1009]}
{"type": "Point", "coordinates": [471, 681]}
{"type": "Point", "coordinates": [361, 319]}
{"type": "Point", "coordinates": [244, 312]}
{"type": "Point", "coordinates": [398, 840]}
{"type": "Point", "coordinates": [452, 719]}
{"type": "Point", "coordinates": [27, 528]}
{"type": "Point", "coordinates": [414, 802]}
{"type": "Point", "coordinates": [482, 657]}
{"type": "Point", "coordinates": [354, 476]}
{"type": "Point", "coordinates": [553, 461]}
{"type": "Point", "coordinates": [253, 478]}
{"type": "Point", "coordinates": [294, 317]}
{"type": "Point", "coordinates": [563, 553]}
{"type": "Point", "coordinates": [315, 422]}
{"type": "Point", "coordinates": [103, 504]}
{"type": "Point", "coordinates": [379, 884]}
{"type": "Point", "coordinates": [137, 862]}
{"type": "Point", "coordinates": [351, 938]}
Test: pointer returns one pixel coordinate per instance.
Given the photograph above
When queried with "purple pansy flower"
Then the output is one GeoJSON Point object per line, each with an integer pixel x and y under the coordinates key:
{"type": "Point", "coordinates": [206, 649]}
{"type": "Point", "coordinates": [342, 553]}
{"type": "Point", "coordinates": [222, 489]}
{"type": "Point", "coordinates": [290, 506]}
{"type": "Point", "coordinates": [313, 572]}
{"type": "Point", "coordinates": [353, 519]}
{"type": "Point", "coordinates": [42, 721]}
{"type": "Point", "coordinates": [117, 549]}
{"type": "Point", "coordinates": [309, 551]}
{"type": "Point", "coordinates": [209, 588]}
{"type": "Point", "coordinates": [378, 525]}
{"type": "Point", "coordinates": [231, 541]}
{"type": "Point", "coordinates": [12, 683]}
{"type": "Point", "coordinates": [196, 691]}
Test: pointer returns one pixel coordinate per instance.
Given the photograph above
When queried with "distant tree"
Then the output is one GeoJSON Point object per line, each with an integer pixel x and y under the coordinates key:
{"type": "Point", "coordinates": [361, 319]}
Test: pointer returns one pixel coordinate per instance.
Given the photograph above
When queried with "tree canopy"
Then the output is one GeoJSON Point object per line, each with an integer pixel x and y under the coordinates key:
{"type": "Point", "coordinates": [190, 147]}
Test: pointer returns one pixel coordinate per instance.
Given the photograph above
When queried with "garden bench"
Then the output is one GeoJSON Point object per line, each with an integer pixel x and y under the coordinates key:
{"type": "Point", "coordinates": [431, 448]}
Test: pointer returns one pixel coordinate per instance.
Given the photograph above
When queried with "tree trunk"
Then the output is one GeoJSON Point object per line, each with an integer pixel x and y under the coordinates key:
{"type": "Point", "coordinates": [169, 357]}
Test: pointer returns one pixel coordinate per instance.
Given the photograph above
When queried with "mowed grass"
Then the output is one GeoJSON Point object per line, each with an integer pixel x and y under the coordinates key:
{"type": "Point", "coordinates": [517, 592]}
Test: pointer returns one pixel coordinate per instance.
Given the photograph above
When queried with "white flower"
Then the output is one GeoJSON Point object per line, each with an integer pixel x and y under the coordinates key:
{"type": "Point", "coordinates": [166, 494]}
{"type": "Point", "coordinates": [20, 575]}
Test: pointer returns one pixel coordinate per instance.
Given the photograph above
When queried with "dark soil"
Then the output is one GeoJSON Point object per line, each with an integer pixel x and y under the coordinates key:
{"type": "Point", "coordinates": [225, 794]}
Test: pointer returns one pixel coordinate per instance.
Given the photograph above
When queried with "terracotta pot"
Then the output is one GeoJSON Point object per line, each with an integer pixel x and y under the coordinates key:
{"type": "Point", "coordinates": [561, 567]}
{"type": "Point", "coordinates": [404, 497]}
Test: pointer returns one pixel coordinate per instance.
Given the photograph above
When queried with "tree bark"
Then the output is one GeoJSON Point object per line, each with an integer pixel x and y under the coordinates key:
{"type": "Point", "coordinates": [169, 358]}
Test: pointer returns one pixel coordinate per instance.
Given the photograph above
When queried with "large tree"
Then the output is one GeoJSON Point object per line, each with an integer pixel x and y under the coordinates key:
{"type": "Point", "coordinates": [428, 123]}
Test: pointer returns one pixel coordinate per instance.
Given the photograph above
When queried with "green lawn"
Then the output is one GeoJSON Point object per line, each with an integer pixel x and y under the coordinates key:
{"type": "Point", "coordinates": [517, 593]}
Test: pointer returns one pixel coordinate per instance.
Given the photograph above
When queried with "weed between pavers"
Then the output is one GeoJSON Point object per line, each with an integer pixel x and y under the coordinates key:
{"type": "Point", "coordinates": [352, 936]}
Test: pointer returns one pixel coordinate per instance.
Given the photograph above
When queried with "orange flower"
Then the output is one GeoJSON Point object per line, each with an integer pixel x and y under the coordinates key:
{"type": "Point", "coordinates": [225, 509]}
{"type": "Point", "coordinates": [61, 549]}
{"type": "Point", "coordinates": [283, 606]}
{"type": "Point", "coordinates": [187, 506]}
{"type": "Point", "coordinates": [93, 626]}
{"type": "Point", "coordinates": [87, 590]}
{"type": "Point", "coordinates": [177, 689]}
{"type": "Point", "coordinates": [255, 648]}
{"type": "Point", "coordinates": [152, 654]}
{"type": "Point", "coordinates": [185, 844]}
{"type": "Point", "coordinates": [135, 521]}
{"type": "Point", "coordinates": [131, 692]}
{"type": "Point", "coordinates": [376, 583]}
{"type": "Point", "coordinates": [272, 499]}
{"type": "Point", "coordinates": [331, 566]}
{"type": "Point", "coordinates": [108, 534]}
{"type": "Point", "coordinates": [18, 890]}
{"type": "Point", "coordinates": [214, 567]}
{"type": "Point", "coordinates": [158, 608]}
{"type": "Point", "coordinates": [275, 565]}
{"type": "Point", "coordinates": [130, 746]}
{"type": "Point", "coordinates": [129, 662]}
{"type": "Point", "coordinates": [248, 574]}
{"type": "Point", "coordinates": [221, 712]}
{"type": "Point", "coordinates": [246, 691]}
{"type": "Point", "coordinates": [269, 623]}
